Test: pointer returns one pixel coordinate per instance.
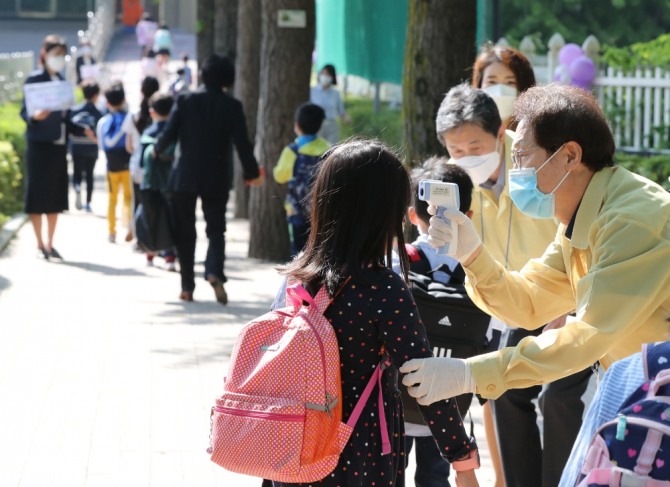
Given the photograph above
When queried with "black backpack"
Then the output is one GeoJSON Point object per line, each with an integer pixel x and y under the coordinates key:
{"type": "Point", "coordinates": [454, 325]}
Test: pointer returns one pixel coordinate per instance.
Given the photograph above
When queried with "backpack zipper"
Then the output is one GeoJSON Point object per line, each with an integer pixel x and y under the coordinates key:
{"type": "Point", "coordinates": [259, 414]}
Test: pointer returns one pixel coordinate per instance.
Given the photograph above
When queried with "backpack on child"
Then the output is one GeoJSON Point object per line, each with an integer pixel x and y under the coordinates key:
{"type": "Point", "coordinates": [634, 448]}
{"type": "Point", "coordinates": [280, 416]}
{"type": "Point", "coordinates": [299, 185]}
{"type": "Point", "coordinates": [113, 141]}
{"type": "Point", "coordinates": [454, 325]}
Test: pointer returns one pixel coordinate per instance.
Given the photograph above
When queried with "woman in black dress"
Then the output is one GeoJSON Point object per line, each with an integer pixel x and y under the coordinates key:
{"type": "Point", "coordinates": [46, 135]}
{"type": "Point", "coordinates": [358, 202]}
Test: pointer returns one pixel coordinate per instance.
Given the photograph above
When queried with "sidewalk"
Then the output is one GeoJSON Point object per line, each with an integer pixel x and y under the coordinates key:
{"type": "Point", "coordinates": [106, 378]}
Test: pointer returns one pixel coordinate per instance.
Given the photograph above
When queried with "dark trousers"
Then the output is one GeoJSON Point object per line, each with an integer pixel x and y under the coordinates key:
{"type": "Point", "coordinates": [83, 167]}
{"type": "Point", "coordinates": [183, 213]}
{"type": "Point", "coordinates": [431, 469]}
{"type": "Point", "coordinates": [524, 462]}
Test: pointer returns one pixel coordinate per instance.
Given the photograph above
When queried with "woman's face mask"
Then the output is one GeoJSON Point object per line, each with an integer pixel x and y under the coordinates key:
{"type": "Point", "coordinates": [325, 80]}
{"type": "Point", "coordinates": [525, 194]}
{"type": "Point", "coordinates": [504, 97]}
{"type": "Point", "coordinates": [55, 64]}
{"type": "Point", "coordinates": [479, 167]}
{"type": "Point", "coordinates": [85, 51]}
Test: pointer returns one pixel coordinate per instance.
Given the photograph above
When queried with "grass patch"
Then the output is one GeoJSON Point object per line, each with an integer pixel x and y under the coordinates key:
{"type": "Point", "coordinates": [385, 125]}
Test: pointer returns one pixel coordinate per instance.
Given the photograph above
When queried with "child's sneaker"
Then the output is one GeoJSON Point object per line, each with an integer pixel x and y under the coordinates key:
{"type": "Point", "coordinates": [171, 267]}
{"type": "Point", "coordinates": [112, 238]}
{"type": "Point", "coordinates": [88, 208]}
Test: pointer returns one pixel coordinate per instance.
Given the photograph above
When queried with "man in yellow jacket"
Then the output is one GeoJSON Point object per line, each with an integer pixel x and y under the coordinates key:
{"type": "Point", "coordinates": [469, 126]}
{"type": "Point", "coordinates": [609, 262]}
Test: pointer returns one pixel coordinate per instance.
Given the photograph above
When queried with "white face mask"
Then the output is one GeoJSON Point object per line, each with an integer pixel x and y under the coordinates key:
{"type": "Point", "coordinates": [55, 63]}
{"type": "Point", "coordinates": [325, 80]}
{"type": "Point", "coordinates": [85, 51]}
{"type": "Point", "coordinates": [480, 167]}
{"type": "Point", "coordinates": [504, 96]}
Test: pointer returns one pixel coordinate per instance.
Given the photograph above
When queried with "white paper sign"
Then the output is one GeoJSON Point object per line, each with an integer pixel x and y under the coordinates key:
{"type": "Point", "coordinates": [89, 71]}
{"type": "Point", "coordinates": [296, 19]}
{"type": "Point", "coordinates": [49, 95]}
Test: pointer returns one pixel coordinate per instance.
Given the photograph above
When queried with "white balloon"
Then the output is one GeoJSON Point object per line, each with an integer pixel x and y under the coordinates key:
{"type": "Point", "coordinates": [562, 74]}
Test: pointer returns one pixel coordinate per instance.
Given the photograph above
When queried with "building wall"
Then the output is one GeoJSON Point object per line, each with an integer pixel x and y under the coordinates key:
{"type": "Point", "coordinates": [179, 14]}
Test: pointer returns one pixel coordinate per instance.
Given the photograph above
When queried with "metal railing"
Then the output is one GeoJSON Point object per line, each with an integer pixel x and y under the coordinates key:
{"type": "Point", "coordinates": [14, 69]}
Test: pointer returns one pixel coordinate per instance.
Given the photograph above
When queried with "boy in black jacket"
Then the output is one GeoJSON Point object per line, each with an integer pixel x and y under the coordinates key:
{"type": "Point", "coordinates": [84, 151]}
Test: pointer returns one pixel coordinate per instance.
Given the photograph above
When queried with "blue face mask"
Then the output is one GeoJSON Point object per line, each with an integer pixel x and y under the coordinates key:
{"type": "Point", "coordinates": [525, 194]}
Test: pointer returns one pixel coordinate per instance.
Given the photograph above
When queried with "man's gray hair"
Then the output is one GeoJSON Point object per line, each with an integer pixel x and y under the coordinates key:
{"type": "Point", "coordinates": [465, 104]}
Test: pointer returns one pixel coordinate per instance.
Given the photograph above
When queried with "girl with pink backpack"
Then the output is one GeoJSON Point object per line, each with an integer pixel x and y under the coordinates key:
{"type": "Point", "coordinates": [358, 203]}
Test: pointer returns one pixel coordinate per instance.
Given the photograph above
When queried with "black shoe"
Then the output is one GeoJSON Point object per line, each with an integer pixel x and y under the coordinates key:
{"type": "Point", "coordinates": [219, 291]}
{"type": "Point", "coordinates": [53, 253]}
{"type": "Point", "coordinates": [42, 253]}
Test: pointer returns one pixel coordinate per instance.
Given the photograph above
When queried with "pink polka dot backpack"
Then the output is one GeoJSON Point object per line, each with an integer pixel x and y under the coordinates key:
{"type": "Point", "coordinates": [634, 448]}
{"type": "Point", "coordinates": [280, 415]}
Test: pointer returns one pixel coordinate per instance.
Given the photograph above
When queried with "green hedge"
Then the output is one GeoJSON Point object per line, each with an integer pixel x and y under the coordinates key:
{"type": "Point", "coordinates": [385, 125]}
{"type": "Point", "coordinates": [656, 168]}
{"type": "Point", "coordinates": [12, 157]}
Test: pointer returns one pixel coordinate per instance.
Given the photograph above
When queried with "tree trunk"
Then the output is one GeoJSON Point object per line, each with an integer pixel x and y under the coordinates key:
{"type": "Point", "coordinates": [247, 66]}
{"type": "Point", "coordinates": [225, 28]}
{"type": "Point", "coordinates": [205, 30]}
{"type": "Point", "coordinates": [286, 61]}
{"type": "Point", "coordinates": [439, 50]}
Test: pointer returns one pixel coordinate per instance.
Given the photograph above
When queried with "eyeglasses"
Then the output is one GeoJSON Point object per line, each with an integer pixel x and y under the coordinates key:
{"type": "Point", "coordinates": [517, 155]}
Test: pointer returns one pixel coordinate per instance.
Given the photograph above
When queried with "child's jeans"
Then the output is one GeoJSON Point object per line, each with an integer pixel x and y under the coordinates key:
{"type": "Point", "coordinates": [116, 180]}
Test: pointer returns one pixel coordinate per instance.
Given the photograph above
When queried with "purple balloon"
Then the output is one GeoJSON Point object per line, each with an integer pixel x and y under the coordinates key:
{"type": "Point", "coordinates": [583, 69]}
{"type": "Point", "coordinates": [585, 85]}
{"type": "Point", "coordinates": [569, 53]}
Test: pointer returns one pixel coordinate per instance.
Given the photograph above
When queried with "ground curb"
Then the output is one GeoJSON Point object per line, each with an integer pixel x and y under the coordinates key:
{"type": "Point", "coordinates": [10, 229]}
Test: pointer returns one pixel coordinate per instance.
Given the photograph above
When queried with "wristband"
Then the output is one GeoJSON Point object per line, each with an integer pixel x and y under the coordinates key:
{"type": "Point", "coordinates": [469, 463]}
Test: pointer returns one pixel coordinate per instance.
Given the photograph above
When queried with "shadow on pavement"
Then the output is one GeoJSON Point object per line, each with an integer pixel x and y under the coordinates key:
{"type": "Point", "coordinates": [211, 312]}
{"type": "Point", "coordinates": [4, 283]}
{"type": "Point", "coordinates": [103, 269]}
{"type": "Point", "coordinates": [219, 352]}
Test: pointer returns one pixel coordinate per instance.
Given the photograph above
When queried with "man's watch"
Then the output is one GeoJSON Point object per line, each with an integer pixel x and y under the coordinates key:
{"type": "Point", "coordinates": [469, 463]}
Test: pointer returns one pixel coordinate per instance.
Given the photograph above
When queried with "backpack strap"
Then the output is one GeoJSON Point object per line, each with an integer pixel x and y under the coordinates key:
{"type": "Point", "coordinates": [376, 379]}
{"type": "Point", "coordinates": [294, 147]}
{"type": "Point", "coordinates": [655, 358]}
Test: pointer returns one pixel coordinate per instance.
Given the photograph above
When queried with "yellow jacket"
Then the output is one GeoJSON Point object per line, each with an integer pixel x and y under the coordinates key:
{"type": "Point", "coordinates": [512, 237]}
{"type": "Point", "coordinates": [614, 271]}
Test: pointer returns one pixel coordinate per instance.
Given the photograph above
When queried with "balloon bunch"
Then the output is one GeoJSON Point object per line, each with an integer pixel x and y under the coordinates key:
{"type": "Point", "coordinates": [575, 67]}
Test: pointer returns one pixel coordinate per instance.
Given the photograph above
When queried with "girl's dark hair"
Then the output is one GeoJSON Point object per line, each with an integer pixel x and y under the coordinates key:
{"type": "Point", "coordinates": [358, 203]}
{"type": "Point", "coordinates": [330, 69]}
{"type": "Point", "coordinates": [150, 86]}
{"type": "Point", "coordinates": [510, 57]}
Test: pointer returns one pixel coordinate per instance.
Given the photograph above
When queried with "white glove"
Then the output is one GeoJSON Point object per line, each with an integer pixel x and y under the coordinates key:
{"type": "Point", "coordinates": [437, 378]}
{"type": "Point", "coordinates": [441, 233]}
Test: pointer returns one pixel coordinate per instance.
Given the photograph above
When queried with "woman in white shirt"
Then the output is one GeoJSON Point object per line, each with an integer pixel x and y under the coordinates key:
{"type": "Point", "coordinates": [327, 97]}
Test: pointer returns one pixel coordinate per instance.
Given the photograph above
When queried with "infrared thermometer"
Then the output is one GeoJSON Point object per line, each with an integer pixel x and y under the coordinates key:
{"type": "Point", "coordinates": [444, 196]}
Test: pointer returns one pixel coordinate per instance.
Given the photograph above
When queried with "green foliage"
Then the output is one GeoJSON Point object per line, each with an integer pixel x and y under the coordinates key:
{"type": "Point", "coordinates": [655, 53]}
{"type": "Point", "coordinates": [655, 167]}
{"type": "Point", "coordinates": [12, 155]}
{"type": "Point", "coordinates": [385, 125]}
{"type": "Point", "coordinates": [10, 182]}
{"type": "Point", "coordinates": [613, 22]}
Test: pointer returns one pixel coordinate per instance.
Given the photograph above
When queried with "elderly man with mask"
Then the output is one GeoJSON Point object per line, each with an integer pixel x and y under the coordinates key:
{"type": "Point", "coordinates": [469, 126]}
{"type": "Point", "coordinates": [609, 261]}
